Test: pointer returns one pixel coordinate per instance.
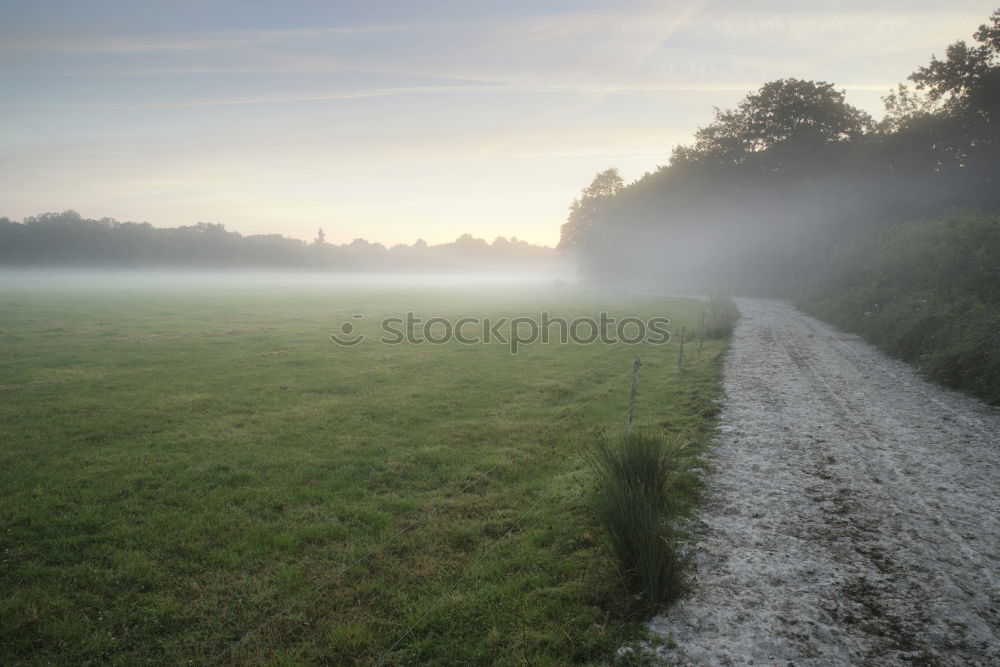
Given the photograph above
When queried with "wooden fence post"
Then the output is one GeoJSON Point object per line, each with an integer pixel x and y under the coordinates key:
{"type": "Point", "coordinates": [680, 352]}
{"type": "Point", "coordinates": [631, 398]}
{"type": "Point", "coordinates": [701, 334]}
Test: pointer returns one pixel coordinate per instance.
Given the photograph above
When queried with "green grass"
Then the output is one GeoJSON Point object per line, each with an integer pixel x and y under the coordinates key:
{"type": "Point", "coordinates": [179, 466]}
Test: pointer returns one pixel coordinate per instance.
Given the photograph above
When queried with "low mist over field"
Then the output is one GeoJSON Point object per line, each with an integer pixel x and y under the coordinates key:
{"type": "Point", "coordinates": [60, 278]}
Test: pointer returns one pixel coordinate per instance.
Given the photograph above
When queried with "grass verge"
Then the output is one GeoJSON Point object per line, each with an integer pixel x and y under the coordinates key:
{"type": "Point", "coordinates": [926, 292]}
{"type": "Point", "coordinates": [647, 482]}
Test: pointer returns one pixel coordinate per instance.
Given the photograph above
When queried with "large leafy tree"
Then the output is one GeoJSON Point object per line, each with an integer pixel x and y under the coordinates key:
{"type": "Point", "coordinates": [946, 119]}
{"type": "Point", "coordinates": [961, 79]}
{"type": "Point", "coordinates": [788, 115]}
{"type": "Point", "coordinates": [966, 81]}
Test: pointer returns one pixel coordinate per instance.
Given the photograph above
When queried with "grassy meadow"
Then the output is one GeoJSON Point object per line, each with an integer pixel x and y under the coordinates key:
{"type": "Point", "coordinates": [197, 475]}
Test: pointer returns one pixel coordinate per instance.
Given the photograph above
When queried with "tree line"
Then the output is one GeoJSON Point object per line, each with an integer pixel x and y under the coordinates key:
{"type": "Point", "coordinates": [768, 188]}
{"type": "Point", "coordinates": [888, 228]}
{"type": "Point", "coordinates": [68, 239]}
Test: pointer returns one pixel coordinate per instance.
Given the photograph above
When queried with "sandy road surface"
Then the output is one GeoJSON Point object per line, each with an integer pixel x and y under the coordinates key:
{"type": "Point", "coordinates": [853, 515]}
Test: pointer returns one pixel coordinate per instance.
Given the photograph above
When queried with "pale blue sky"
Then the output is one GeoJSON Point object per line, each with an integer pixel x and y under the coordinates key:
{"type": "Point", "coordinates": [398, 120]}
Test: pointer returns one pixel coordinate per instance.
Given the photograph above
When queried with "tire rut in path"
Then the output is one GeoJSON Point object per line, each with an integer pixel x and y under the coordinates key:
{"type": "Point", "coordinates": [852, 513]}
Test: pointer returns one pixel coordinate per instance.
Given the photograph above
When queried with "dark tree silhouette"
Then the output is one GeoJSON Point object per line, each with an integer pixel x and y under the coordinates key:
{"type": "Point", "coordinates": [771, 185]}
{"type": "Point", "coordinates": [68, 239]}
{"type": "Point", "coordinates": [788, 114]}
{"type": "Point", "coordinates": [583, 211]}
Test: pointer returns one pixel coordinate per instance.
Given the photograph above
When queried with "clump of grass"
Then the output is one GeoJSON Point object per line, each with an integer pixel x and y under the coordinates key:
{"type": "Point", "coordinates": [722, 317]}
{"type": "Point", "coordinates": [638, 500]}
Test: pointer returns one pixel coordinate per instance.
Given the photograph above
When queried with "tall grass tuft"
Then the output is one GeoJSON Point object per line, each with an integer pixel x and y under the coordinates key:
{"type": "Point", "coordinates": [636, 500]}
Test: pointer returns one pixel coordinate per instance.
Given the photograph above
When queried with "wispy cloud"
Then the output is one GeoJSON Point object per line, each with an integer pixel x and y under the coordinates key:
{"type": "Point", "coordinates": [596, 89]}
{"type": "Point", "coordinates": [193, 42]}
{"type": "Point", "coordinates": [464, 105]}
{"type": "Point", "coordinates": [653, 43]}
{"type": "Point", "coordinates": [614, 89]}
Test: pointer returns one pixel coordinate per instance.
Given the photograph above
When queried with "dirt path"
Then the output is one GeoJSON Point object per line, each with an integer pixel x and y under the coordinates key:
{"type": "Point", "coordinates": [853, 515]}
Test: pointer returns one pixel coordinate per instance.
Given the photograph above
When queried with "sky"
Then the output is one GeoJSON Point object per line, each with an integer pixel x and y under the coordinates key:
{"type": "Point", "coordinates": [398, 120]}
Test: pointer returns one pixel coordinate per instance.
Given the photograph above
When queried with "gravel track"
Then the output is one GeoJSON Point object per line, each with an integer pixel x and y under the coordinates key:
{"type": "Point", "coordinates": [853, 511]}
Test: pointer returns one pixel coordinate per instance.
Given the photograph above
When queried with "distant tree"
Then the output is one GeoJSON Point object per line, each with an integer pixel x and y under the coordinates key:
{"type": "Point", "coordinates": [583, 212]}
{"type": "Point", "coordinates": [68, 238]}
{"type": "Point", "coordinates": [210, 228]}
{"type": "Point", "coordinates": [470, 241]}
{"type": "Point", "coordinates": [607, 183]}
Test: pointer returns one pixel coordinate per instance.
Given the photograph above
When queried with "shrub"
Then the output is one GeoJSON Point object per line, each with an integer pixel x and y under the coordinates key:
{"type": "Point", "coordinates": [721, 317]}
{"type": "Point", "coordinates": [926, 292]}
{"type": "Point", "coordinates": [637, 501]}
